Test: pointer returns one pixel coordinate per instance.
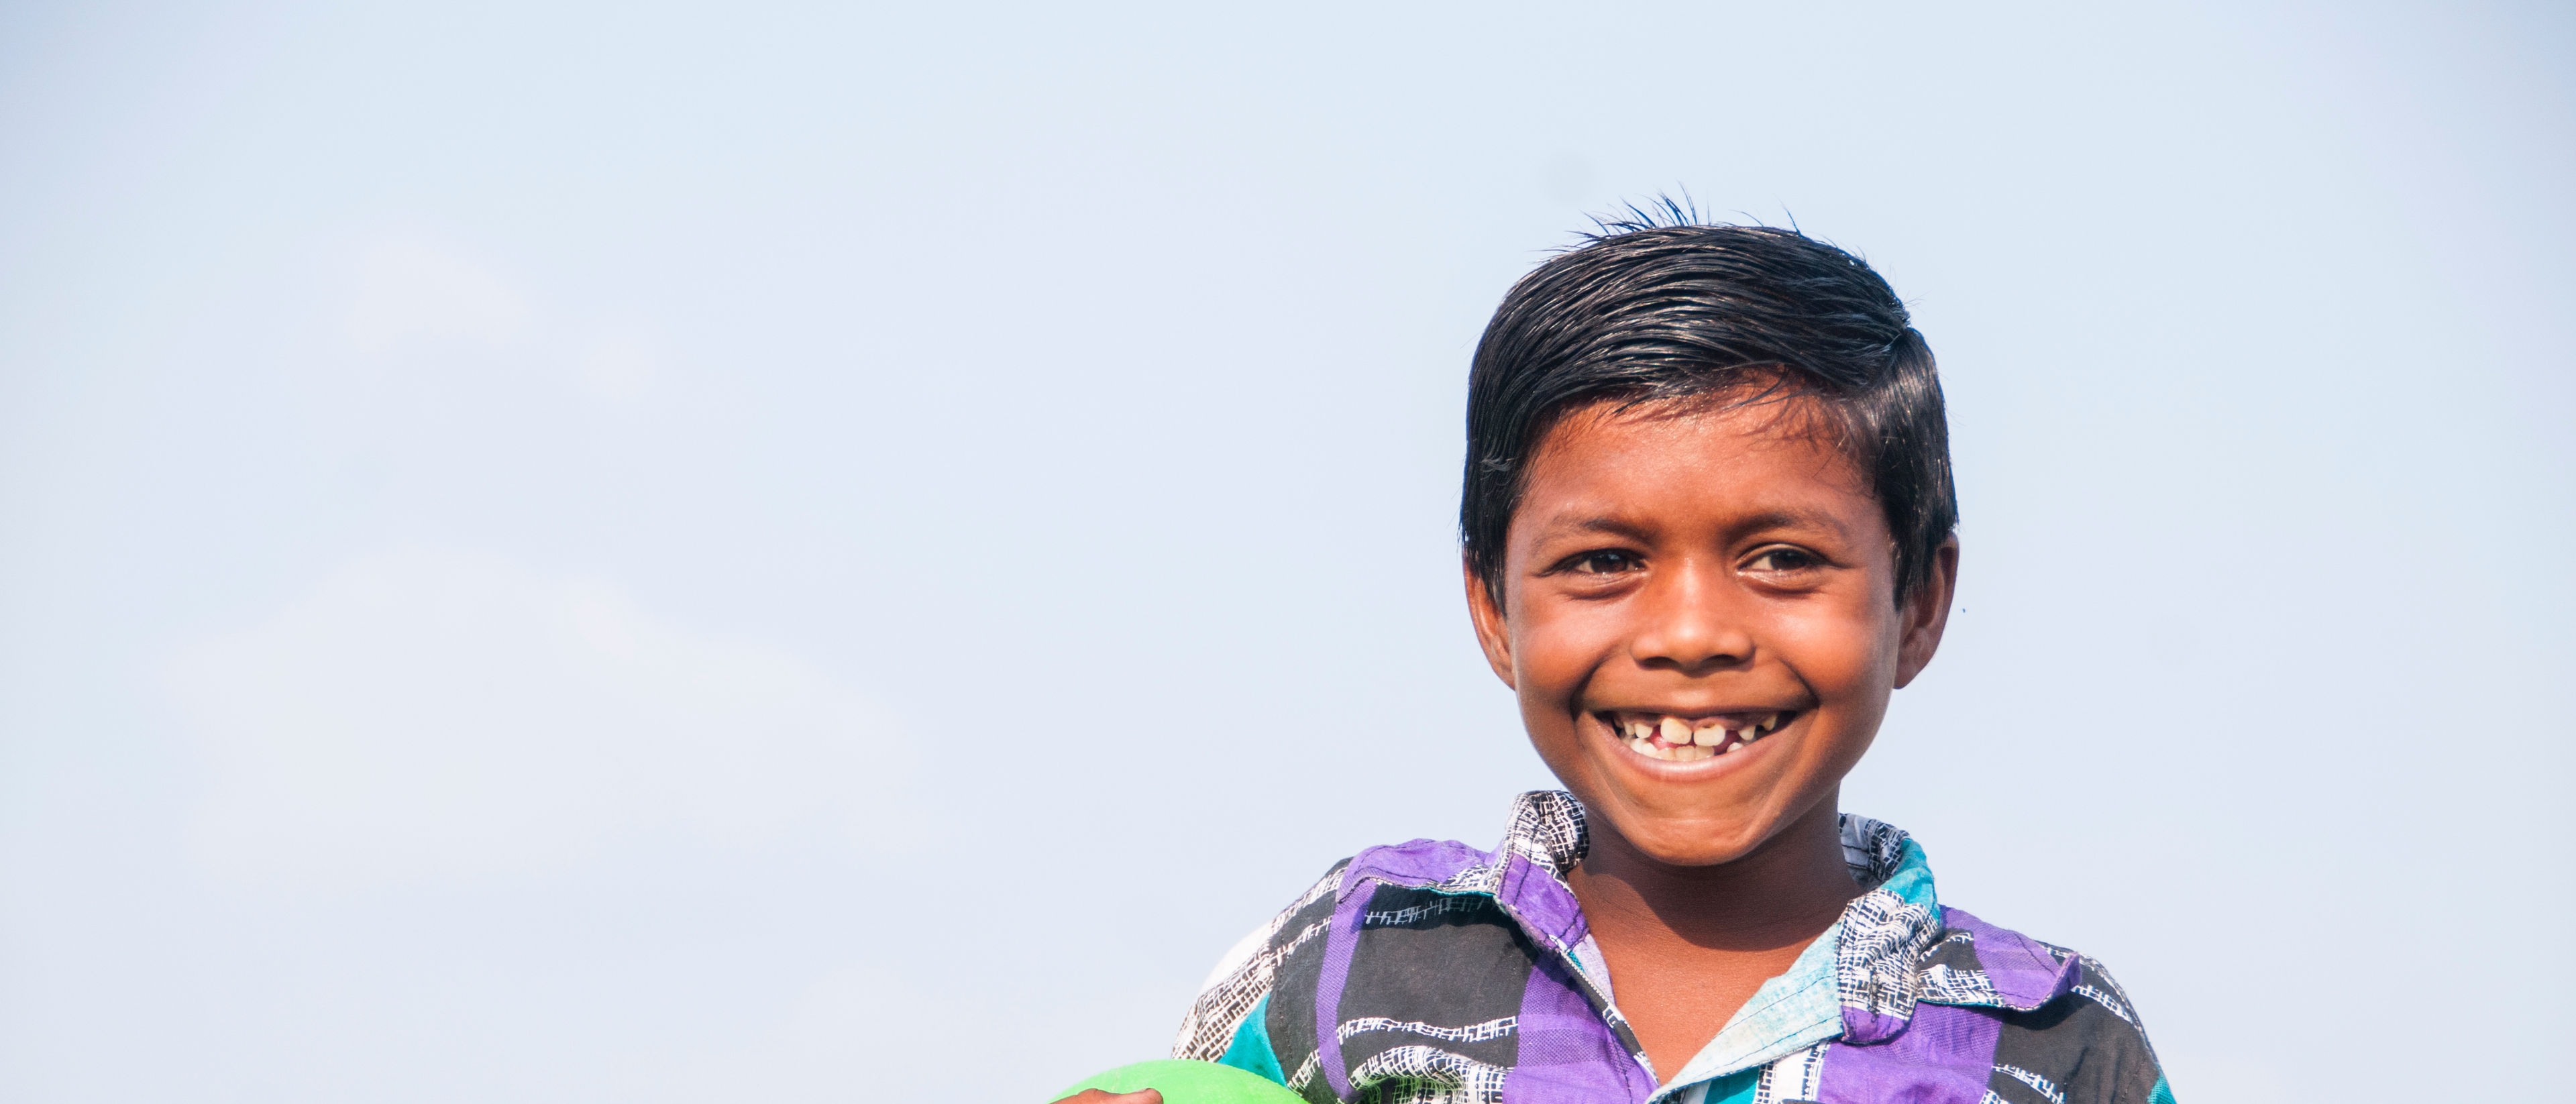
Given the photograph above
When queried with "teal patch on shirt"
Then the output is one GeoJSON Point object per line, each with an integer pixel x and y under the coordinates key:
{"type": "Point", "coordinates": [1912, 881]}
{"type": "Point", "coordinates": [1250, 1051]}
{"type": "Point", "coordinates": [2162, 1093]}
{"type": "Point", "coordinates": [1735, 1088]}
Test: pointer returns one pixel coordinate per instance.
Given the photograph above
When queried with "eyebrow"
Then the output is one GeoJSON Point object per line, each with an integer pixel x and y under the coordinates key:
{"type": "Point", "coordinates": [1612, 525]}
{"type": "Point", "coordinates": [1791, 519]}
{"type": "Point", "coordinates": [1597, 523]}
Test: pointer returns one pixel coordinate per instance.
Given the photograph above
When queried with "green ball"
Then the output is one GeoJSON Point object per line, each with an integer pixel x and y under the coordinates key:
{"type": "Point", "coordinates": [1186, 1082]}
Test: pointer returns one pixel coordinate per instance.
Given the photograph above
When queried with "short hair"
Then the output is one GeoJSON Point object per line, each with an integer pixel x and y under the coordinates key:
{"type": "Point", "coordinates": [1658, 307]}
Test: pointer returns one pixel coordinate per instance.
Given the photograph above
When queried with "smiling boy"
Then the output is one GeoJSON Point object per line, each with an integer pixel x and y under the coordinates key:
{"type": "Point", "coordinates": [1707, 531]}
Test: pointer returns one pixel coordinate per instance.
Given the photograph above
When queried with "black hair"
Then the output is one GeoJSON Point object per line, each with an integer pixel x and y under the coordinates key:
{"type": "Point", "coordinates": [1658, 306]}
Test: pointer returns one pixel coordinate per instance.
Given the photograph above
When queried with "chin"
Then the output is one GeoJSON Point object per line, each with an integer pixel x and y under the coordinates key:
{"type": "Point", "coordinates": [1686, 839]}
{"type": "Point", "coordinates": [1680, 847]}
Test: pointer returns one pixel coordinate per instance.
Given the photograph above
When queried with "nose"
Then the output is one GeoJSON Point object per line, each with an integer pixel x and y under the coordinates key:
{"type": "Point", "coordinates": [1687, 622]}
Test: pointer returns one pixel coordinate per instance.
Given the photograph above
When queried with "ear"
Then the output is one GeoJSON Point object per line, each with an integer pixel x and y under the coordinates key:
{"type": "Point", "coordinates": [1492, 633]}
{"type": "Point", "coordinates": [1927, 612]}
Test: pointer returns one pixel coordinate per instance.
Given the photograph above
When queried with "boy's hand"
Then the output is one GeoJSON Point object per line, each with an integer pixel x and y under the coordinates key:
{"type": "Point", "coordinates": [1104, 1096]}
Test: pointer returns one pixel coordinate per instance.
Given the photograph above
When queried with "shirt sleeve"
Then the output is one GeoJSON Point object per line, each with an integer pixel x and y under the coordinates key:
{"type": "Point", "coordinates": [2087, 1047]}
{"type": "Point", "coordinates": [1243, 981]}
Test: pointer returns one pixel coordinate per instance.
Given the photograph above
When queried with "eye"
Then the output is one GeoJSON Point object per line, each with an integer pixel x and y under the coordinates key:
{"type": "Point", "coordinates": [1601, 561]}
{"type": "Point", "coordinates": [1782, 558]}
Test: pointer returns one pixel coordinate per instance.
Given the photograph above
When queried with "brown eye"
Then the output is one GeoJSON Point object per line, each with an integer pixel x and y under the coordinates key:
{"type": "Point", "coordinates": [1604, 561]}
{"type": "Point", "coordinates": [1781, 559]}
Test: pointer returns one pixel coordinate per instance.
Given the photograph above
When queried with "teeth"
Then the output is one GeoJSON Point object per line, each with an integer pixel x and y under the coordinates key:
{"type": "Point", "coordinates": [1673, 729]}
{"type": "Point", "coordinates": [1675, 739]}
{"type": "Point", "coordinates": [1652, 750]}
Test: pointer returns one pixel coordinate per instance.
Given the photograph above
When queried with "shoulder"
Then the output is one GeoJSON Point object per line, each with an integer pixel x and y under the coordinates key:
{"type": "Point", "coordinates": [1417, 885]}
{"type": "Point", "coordinates": [2067, 1030]}
{"type": "Point", "coordinates": [1369, 882]}
{"type": "Point", "coordinates": [1244, 977]}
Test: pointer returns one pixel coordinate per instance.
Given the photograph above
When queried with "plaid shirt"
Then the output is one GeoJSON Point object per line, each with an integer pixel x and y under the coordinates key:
{"type": "Point", "coordinates": [1432, 971]}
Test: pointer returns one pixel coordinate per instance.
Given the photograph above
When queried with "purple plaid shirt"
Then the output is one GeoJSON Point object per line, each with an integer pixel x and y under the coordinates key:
{"type": "Point", "coordinates": [1433, 971]}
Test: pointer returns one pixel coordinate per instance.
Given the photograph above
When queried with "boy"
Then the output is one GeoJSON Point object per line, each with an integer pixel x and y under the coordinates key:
{"type": "Point", "coordinates": [1707, 530]}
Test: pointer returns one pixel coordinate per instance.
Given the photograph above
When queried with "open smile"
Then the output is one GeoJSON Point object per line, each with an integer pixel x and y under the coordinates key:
{"type": "Point", "coordinates": [1680, 739]}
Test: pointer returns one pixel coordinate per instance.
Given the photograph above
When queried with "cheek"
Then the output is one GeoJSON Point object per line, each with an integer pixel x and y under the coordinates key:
{"type": "Point", "coordinates": [1556, 649]}
{"type": "Point", "coordinates": [1840, 649]}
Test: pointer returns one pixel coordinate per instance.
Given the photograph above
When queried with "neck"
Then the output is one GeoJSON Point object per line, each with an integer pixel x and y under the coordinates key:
{"type": "Point", "coordinates": [1780, 894]}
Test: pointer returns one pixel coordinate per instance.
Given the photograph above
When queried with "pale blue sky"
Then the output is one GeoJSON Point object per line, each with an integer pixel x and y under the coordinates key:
{"type": "Point", "coordinates": [639, 552]}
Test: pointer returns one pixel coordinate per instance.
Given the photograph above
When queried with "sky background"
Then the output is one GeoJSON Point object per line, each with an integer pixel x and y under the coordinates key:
{"type": "Point", "coordinates": [645, 552]}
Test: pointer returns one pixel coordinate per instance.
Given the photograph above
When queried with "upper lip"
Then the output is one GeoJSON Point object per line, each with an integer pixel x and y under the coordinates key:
{"type": "Point", "coordinates": [1740, 713]}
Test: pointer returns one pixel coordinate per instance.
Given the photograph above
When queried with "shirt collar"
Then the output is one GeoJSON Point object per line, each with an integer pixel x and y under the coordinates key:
{"type": "Point", "coordinates": [1895, 944]}
{"type": "Point", "coordinates": [1899, 947]}
{"type": "Point", "coordinates": [1861, 969]}
{"type": "Point", "coordinates": [1803, 1006]}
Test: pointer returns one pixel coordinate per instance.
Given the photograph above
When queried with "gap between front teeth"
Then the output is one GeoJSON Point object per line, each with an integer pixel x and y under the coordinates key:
{"type": "Point", "coordinates": [1675, 740]}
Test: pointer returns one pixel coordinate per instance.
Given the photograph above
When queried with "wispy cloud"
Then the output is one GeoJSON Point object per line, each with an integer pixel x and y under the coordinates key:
{"type": "Point", "coordinates": [429, 713]}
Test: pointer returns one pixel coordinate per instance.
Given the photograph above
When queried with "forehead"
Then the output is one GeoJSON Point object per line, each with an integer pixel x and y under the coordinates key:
{"type": "Point", "coordinates": [1690, 466]}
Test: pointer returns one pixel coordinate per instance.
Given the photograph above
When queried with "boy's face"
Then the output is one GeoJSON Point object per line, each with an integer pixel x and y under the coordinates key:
{"type": "Point", "coordinates": [1692, 575]}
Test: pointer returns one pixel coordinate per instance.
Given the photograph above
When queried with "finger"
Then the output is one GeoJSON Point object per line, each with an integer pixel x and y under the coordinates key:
{"type": "Point", "coordinates": [1104, 1096]}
